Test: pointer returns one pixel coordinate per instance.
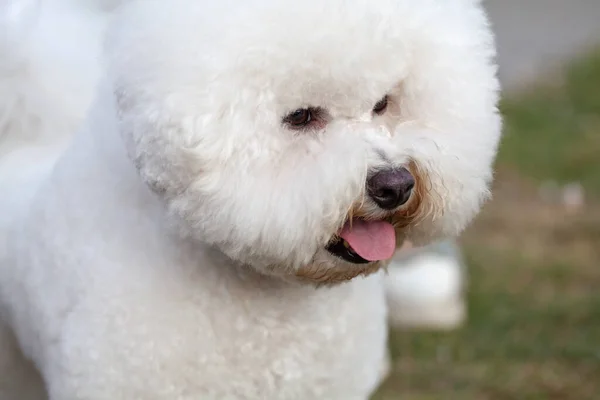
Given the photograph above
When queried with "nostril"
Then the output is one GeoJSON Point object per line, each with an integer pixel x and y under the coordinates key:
{"type": "Point", "coordinates": [391, 188]}
{"type": "Point", "coordinates": [385, 193]}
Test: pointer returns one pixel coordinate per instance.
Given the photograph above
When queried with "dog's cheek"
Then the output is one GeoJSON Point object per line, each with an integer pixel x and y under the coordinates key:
{"type": "Point", "coordinates": [263, 214]}
{"type": "Point", "coordinates": [451, 193]}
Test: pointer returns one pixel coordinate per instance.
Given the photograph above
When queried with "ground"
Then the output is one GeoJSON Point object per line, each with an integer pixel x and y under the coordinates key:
{"type": "Point", "coordinates": [534, 265]}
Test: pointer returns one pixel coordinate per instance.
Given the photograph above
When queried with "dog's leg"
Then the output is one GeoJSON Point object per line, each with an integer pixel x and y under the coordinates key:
{"type": "Point", "coordinates": [19, 380]}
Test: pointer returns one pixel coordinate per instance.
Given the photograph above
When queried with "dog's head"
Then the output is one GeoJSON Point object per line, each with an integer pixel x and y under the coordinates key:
{"type": "Point", "coordinates": [308, 139]}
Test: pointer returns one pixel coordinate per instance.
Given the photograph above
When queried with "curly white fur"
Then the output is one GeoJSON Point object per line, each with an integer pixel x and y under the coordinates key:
{"type": "Point", "coordinates": [170, 251]}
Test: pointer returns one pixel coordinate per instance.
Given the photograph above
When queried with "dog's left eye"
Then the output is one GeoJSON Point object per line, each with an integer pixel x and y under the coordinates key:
{"type": "Point", "coordinates": [381, 106]}
{"type": "Point", "coordinates": [299, 117]}
{"type": "Point", "coordinates": [302, 118]}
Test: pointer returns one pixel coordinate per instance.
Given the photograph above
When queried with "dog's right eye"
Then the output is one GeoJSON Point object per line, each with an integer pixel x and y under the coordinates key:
{"type": "Point", "coordinates": [299, 118]}
{"type": "Point", "coordinates": [381, 105]}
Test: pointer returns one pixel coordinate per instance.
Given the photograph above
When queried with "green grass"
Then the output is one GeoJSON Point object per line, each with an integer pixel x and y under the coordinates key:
{"type": "Point", "coordinates": [534, 268]}
{"type": "Point", "coordinates": [553, 132]}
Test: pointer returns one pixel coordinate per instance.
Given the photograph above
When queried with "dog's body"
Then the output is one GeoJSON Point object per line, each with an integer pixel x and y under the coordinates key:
{"type": "Point", "coordinates": [181, 246]}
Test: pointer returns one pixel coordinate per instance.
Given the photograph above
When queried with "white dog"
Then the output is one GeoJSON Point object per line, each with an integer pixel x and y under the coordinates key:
{"type": "Point", "coordinates": [218, 226]}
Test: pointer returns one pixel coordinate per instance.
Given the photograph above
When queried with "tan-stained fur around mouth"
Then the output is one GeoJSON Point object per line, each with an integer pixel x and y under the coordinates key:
{"type": "Point", "coordinates": [322, 273]}
{"type": "Point", "coordinates": [415, 210]}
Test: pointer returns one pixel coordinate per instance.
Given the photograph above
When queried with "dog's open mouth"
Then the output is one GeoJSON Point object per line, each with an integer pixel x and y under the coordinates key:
{"type": "Point", "coordinates": [362, 242]}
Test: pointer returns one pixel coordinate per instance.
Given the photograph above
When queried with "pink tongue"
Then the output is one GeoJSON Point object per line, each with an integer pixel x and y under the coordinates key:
{"type": "Point", "coordinates": [372, 240]}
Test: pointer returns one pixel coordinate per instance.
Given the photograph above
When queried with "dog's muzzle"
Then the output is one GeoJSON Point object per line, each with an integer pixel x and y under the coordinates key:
{"type": "Point", "coordinates": [362, 241]}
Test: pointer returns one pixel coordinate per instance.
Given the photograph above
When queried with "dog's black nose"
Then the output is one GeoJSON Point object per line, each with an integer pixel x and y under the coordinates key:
{"type": "Point", "coordinates": [390, 188]}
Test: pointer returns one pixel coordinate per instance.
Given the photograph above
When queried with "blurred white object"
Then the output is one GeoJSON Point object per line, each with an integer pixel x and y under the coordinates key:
{"type": "Point", "coordinates": [573, 197]}
{"type": "Point", "coordinates": [425, 288]}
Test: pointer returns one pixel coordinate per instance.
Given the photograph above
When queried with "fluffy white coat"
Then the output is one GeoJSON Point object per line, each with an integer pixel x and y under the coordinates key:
{"type": "Point", "coordinates": [175, 248]}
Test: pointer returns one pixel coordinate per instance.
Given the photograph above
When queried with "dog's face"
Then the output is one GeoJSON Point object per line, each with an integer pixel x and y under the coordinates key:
{"type": "Point", "coordinates": [309, 139]}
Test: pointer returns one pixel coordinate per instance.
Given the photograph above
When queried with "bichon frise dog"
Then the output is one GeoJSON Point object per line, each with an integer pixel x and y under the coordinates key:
{"type": "Point", "coordinates": [218, 227]}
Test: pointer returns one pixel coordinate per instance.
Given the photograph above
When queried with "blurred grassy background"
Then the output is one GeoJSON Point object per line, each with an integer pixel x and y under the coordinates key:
{"type": "Point", "coordinates": [534, 264]}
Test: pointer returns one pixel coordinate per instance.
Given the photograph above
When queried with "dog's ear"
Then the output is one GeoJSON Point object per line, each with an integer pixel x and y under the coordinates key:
{"type": "Point", "coordinates": [155, 143]}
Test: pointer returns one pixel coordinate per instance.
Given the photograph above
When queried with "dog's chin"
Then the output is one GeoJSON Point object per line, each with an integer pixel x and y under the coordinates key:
{"type": "Point", "coordinates": [330, 267]}
{"type": "Point", "coordinates": [338, 262]}
{"type": "Point", "coordinates": [335, 263]}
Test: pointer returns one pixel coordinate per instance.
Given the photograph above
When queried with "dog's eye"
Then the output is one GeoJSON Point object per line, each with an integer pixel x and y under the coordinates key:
{"type": "Point", "coordinates": [300, 118]}
{"type": "Point", "coordinates": [381, 106]}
